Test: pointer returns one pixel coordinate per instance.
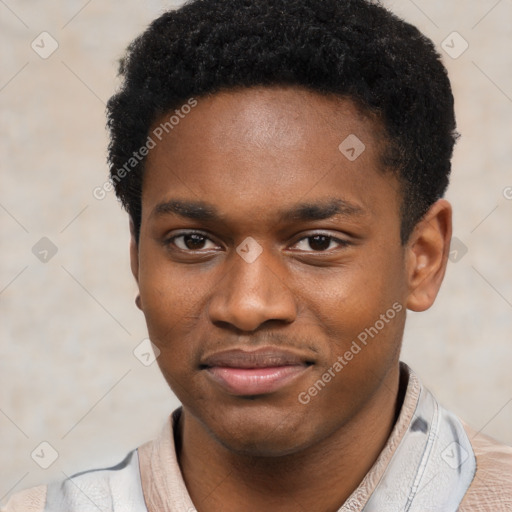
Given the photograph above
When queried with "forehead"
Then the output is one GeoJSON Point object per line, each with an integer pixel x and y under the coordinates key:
{"type": "Point", "coordinates": [262, 115]}
{"type": "Point", "coordinates": [253, 146]}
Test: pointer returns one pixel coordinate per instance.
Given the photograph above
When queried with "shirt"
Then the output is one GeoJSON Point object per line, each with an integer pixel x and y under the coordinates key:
{"type": "Point", "coordinates": [432, 461]}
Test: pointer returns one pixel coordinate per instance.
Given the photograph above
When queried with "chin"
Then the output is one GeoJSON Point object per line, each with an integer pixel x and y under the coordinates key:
{"type": "Point", "coordinates": [254, 445]}
{"type": "Point", "coordinates": [261, 432]}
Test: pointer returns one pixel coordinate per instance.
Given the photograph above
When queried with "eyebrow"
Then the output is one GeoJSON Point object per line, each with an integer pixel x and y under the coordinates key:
{"type": "Point", "coordinates": [203, 211]}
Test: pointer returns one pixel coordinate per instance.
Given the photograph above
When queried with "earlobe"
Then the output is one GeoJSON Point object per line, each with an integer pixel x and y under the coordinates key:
{"type": "Point", "coordinates": [427, 255]}
{"type": "Point", "coordinates": [134, 261]}
{"type": "Point", "coordinates": [134, 252]}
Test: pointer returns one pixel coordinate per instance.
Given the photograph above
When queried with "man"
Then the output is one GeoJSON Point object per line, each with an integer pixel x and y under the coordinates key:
{"type": "Point", "coordinates": [283, 164]}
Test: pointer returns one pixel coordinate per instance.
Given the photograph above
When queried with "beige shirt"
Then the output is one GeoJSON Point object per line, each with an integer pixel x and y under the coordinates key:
{"type": "Point", "coordinates": [164, 490]}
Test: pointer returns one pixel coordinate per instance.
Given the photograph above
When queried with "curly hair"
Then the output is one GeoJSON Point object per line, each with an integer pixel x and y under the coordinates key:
{"type": "Point", "coordinates": [351, 48]}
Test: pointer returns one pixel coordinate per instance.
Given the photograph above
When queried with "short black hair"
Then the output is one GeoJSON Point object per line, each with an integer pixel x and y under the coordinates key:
{"type": "Point", "coordinates": [351, 48]}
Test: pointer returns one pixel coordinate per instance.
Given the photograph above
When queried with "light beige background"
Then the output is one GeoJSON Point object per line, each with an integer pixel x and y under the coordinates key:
{"type": "Point", "coordinates": [69, 326]}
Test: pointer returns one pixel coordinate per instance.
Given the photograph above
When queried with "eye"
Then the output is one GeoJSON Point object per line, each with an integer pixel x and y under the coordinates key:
{"type": "Point", "coordinates": [320, 242]}
{"type": "Point", "coordinates": [191, 241]}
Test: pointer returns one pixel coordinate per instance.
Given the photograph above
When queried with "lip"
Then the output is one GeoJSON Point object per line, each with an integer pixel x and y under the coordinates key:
{"type": "Point", "coordinates": [255, 372]}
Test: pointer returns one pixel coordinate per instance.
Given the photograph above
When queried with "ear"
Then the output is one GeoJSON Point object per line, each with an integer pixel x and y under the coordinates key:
{"type": "Point", "coordinates": [427, 254]}
{"type": "Point", "coordinates": [134, 252]}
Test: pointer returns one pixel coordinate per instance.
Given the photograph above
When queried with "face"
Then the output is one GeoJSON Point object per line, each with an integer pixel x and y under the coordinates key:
{"type": "Point", "coordinates": [270, 268]}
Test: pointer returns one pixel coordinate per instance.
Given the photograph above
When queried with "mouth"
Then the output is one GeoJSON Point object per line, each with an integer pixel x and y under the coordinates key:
{"type": "Point", "coordinates": [258, 372]}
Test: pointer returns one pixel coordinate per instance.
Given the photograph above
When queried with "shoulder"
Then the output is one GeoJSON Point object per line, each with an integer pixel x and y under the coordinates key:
{"type": "Point", "coordinates": [29, 500]}
{"type": "Point", "coordinates": [493, 458]}
{"type": "Point", "coordinates": [107, 489]}
{"type": "Point", "coordinates": [492, 485]}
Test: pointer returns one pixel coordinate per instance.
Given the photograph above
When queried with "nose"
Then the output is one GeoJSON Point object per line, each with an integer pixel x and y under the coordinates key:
{"type": "Point", "coordinates": [252, 293]}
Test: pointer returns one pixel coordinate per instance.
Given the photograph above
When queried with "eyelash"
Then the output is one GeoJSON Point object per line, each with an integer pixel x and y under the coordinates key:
{"type": "Point", "coordinates": [169, 241]}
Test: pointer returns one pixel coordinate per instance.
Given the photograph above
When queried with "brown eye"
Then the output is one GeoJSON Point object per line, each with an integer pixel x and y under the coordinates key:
{"type": "Point", "coordinates": [194, 242]}
{"type": "Point", "coordinates": [191, 242]}
{"type": "Point", "coordinates": [319, 243]}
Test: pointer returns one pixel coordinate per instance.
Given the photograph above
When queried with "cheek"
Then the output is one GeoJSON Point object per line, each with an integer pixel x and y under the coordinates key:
{"type": "Point", "coordinates": [172, 323]}
{"type": "Point", "coordinates": [165, 292]}
{"type": "Point", "coordinates": [166, 300]}
{"type": "Point", "coordinates": [174, 303]}
{"type": "Point", "coordinates": [362, 329]}
{"type": "Point", "coordinates": [361, 302]}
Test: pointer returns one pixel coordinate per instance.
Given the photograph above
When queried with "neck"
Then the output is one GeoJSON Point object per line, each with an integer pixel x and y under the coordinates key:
{"type": "Point", "coordinates": [320, 477]}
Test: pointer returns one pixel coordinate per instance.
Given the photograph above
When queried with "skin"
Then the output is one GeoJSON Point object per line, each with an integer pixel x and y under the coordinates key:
{"type": "Point", "coordinates": [250, 154]}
